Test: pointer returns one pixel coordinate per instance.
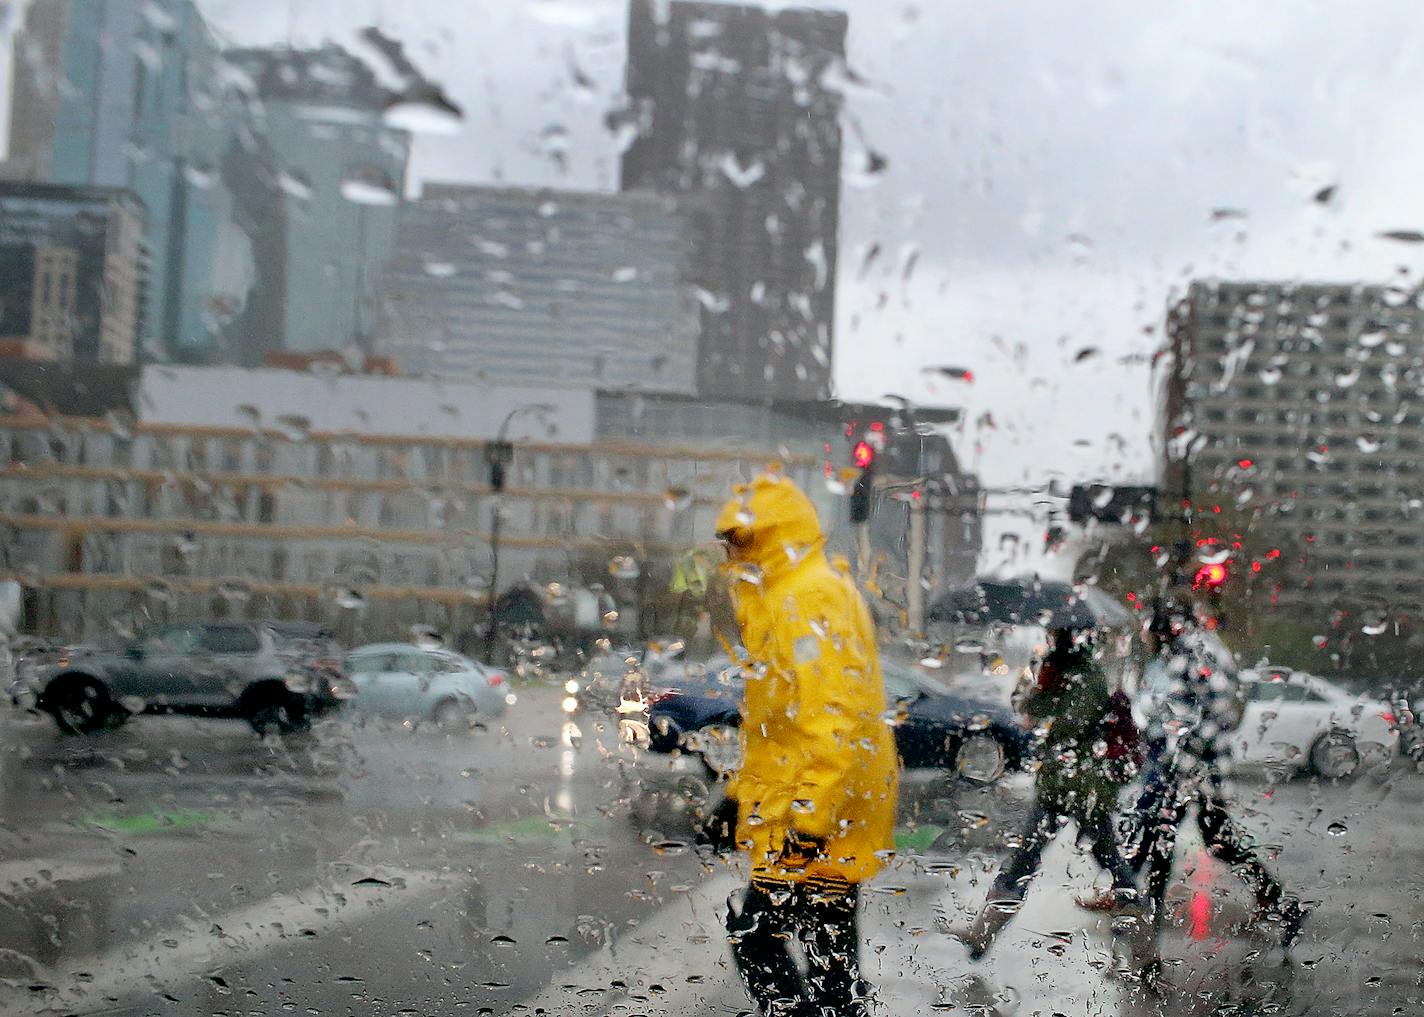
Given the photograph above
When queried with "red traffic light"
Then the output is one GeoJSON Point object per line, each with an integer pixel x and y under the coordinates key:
{"type": "Point", "coordinates": [1209, 577]}
{"type": "Point", "coordinates": [863, 454]}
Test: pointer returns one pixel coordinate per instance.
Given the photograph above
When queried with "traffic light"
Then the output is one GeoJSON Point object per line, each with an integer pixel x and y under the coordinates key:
{"type": "Point", "coordinates": [863, 455]}
{"type": "Point", "coordinates": [1210, 577]}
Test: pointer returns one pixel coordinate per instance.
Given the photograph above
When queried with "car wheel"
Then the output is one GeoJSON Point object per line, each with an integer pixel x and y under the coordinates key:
{"type": "Point", "coordinates": [721, 748]}
{"type": "Point", "coordinates": [980, 759]}
{"type": "Point", "coordinates": [452, 715]}
{"type": "Point", "coordinates": [1334, 756]}
{"type": "Point", "coordinates": [278, 715]}
{"type": "Point", "coordinates": [79, 706]}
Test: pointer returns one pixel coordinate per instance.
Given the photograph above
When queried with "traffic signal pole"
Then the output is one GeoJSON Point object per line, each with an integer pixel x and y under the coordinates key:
{"type": "Point", "coordinates": [915, 590]}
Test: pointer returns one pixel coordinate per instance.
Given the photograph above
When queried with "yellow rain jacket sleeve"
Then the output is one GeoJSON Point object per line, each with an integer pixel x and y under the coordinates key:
{"type": "Point", "coordinates": [820, 760]}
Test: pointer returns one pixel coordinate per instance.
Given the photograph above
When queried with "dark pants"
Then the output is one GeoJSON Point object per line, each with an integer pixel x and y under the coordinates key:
{"type": "Point", "coordinates": [761, 931]}
{"type": "Point", "coordinates": [1044, 822]}
{"type": "Point", "coordinates": [1161, 808]}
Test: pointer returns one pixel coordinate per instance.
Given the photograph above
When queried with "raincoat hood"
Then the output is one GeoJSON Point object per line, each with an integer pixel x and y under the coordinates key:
{"type": "Point", "coordinates": [773, 524]}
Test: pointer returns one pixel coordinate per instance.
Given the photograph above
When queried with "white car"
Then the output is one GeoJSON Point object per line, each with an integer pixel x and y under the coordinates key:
{"type": "Point", "coordinates": [1307, 723]}
{"type": "Point", "coordinates": [401, 681]}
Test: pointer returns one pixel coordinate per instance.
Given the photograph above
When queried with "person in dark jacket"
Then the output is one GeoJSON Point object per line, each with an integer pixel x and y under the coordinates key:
{"type": "Point", "coordinates": [1090, 752]}
{"type": "Point", "coordinates": [1192, 701]}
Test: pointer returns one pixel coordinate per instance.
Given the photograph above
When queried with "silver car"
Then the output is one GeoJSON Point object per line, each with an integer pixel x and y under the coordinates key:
{"type": "Point", "coordinates": [399, 681]}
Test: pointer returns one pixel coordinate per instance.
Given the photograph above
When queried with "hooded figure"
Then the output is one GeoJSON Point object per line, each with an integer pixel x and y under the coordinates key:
{"type": "Point", "coordinates": [816, 793]}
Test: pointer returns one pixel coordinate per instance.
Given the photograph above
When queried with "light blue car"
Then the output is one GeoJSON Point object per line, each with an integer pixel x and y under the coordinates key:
{"type": "Point", "coordinates": [412, 684]}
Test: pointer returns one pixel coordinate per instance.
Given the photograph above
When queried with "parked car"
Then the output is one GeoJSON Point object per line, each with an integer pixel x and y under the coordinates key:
{"type": "Point", "coordinates": [252, 670]}
{"type": "Point", "coordinates": [1309, 724]}
{"type": "Point", "coordinates": [401, 681]}
{"type": "Point", "coordinates": [977, 739]}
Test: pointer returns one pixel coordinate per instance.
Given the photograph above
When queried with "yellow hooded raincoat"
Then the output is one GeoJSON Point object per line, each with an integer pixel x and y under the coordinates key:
{"type": "Point", "coordinates": [819, 759]}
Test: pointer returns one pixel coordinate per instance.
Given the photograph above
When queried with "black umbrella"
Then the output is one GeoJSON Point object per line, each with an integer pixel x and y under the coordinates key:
{"type": "Point", "coordinates": [1050, 603]}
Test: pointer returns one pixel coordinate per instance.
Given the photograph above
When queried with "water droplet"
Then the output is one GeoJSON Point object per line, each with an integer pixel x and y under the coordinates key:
{"type": "Point", "coordinates": [199, 175]}
{"type": "Point", "coordinates": [427, 637]}
{"type": "Point", "coordinates": [807, 649]}
{"type": "Point", "coordinates": [296, 185]}
{"type": "Point", "coordinates": [1337, 829]}
{"type": "Point", "coordinates": [624, 567]}
{"type": "Point", "coordinates": [348, 599]}
{"type": "Point", "coordinates": [1367, 443]}
{"type": "Point", "coordinates": [370, 185]}
{"type": "Point", "coordinates": [424, 109]}
{"type": "Point", "coordinates": [1403, 236]}
{"type": "Point", "coordinates": [1269, 375]}
{"type": "Point", "coordinates": [440, 269]}
{"type": "Point", "coordinates": [741, 176]}
{"type": "Point", "coordinates": [675, 499]}
{"type": "Point", "coordinates": [294, 427]}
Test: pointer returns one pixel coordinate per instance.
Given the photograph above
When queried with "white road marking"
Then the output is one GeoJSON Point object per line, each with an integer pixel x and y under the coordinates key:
{"type": "Point", "coordinates": [201, 945]}
{"type": "Point", "coordinates": [31, 875]}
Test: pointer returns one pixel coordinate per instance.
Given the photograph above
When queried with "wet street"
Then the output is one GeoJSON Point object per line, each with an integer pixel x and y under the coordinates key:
{"type": "Point", "coordinates": [182, 866]}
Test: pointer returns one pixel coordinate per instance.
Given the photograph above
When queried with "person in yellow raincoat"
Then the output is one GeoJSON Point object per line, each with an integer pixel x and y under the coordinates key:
{"type": "Point", "coordinates": [815, 797]}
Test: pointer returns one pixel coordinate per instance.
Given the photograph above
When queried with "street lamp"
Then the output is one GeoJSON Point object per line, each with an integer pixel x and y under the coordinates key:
{"type": "Point", "coordinates": [499, 454]}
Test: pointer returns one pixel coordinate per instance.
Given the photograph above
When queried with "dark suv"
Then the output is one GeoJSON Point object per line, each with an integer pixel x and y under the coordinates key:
{"type": "Point", "coordinates": [276, 675]}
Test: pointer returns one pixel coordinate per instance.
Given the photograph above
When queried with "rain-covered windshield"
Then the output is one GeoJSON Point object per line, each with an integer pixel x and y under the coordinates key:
{"type": "Point", "coordinates": [678, 507]}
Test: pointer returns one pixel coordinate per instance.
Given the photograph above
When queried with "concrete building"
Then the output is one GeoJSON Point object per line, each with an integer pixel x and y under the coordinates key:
{"type": "Point", "coordinates": [1300, 399]}
{"type": "Point", "coordinates": [109, 525]}
{"type": "Point", "coordinates": [72, 273]}
{"type": "Point", "coordinates": [301, 401]}
{"type": "Point", "coordinates": [729, 107]}
{"type": "Point", "coordinates": [525, 287]}
{"type": "Point", "coordinates": [113, 93]}
{"type": "Point", "coordinates": [335, 175]}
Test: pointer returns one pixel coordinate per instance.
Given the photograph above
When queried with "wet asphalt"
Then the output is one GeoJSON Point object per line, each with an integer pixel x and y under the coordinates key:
{"type": "Point", "coordinates": [542, 865]}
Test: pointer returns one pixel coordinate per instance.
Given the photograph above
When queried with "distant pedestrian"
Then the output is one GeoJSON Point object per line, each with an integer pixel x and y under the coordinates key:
{"type": "Point", "coordinates": [1192, 700]}
{"type": "Point", "coordinates": [1091, 750]}
{"type": "Point", "coordinates": [814, 801]}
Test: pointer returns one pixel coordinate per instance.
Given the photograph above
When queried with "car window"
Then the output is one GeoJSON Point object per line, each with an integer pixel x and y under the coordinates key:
{"type": "Point", "coordinates": [231, 639]}
{"type": "Point", "coordinates": [412, 662]}
{"type": "Point", "coordinates": [443, 664]}
{"type": "Point", "coordinates": [899, 684]}
{"type": "Point", "coordinates": [1266, 691]}
{"type": "Point", "coordinates": [177, 639]}
{"type": "Point", "coordinates": [370, 663]}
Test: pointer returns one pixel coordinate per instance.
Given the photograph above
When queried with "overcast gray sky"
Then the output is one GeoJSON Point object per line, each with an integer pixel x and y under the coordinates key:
{"type": "Point", "coordinates": [1053, 170]}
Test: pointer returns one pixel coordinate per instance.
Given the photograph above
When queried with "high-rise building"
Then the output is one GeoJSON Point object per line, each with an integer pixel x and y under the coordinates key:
{"type": "Point", "coordinates": [72, 273]}
{"type": "Point", "coordinates": [1300, 400]}
{"type": "Point", "coordinates": [527, 286]}
{"type": "Point", "coordinates": [114, 93]}
{"type": "Point", "coordinates": [338, 171]}
{"type": "Point", "coordinates": [730, 107]}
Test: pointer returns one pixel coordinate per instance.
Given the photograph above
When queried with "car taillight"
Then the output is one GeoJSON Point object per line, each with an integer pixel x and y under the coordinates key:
{"type": "Point", "coordinates": [495, 680]}
{"type": "Point", "coordinates": [658, 695]}
{"type": "Point", "coordinates": [1389, 718]}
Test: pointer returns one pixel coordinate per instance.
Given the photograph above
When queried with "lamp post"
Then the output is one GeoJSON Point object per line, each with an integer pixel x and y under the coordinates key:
{"type": "Point", "coordinates": [499, 454]}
